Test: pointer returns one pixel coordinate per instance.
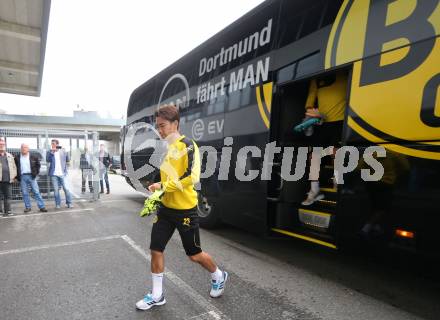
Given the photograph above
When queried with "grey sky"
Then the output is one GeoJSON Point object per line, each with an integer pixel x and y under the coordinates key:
{"type": "Point", "coordinates": [98, 51]}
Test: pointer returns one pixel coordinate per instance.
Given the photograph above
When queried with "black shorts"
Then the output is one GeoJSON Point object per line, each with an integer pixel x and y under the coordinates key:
{"type": "Point", "coordinates": [327, 134]}
{"type": "Point", "coordinates": [186, 222]}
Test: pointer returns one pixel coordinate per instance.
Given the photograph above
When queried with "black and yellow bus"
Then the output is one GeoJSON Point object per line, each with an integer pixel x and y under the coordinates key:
{"type": "Point", "coordinates": [248, 84]}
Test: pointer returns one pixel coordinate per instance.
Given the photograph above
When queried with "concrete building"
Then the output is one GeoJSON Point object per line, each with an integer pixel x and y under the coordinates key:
{"type": "Point", "coordinates": [81, 121]}
{"type": "Point", "coordinates": [23, 33]}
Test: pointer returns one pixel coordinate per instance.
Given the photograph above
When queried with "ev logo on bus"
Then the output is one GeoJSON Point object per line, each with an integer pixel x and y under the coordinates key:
{"type": "Point", "coordinates": [396, 76]}
{"type": "Point", "coordinates": [198, 129]}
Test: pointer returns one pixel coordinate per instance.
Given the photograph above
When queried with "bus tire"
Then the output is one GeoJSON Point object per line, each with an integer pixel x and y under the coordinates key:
{"type": "Point", "coordinates": [209, 213]}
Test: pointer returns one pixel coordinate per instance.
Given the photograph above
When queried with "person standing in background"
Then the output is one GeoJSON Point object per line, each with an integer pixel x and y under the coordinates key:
{"type": "Point", "coordinates": [28, 168]}
{"type": "Point", "coordinates": [58, 160]}
{"type": "Point", "coordinates": [85, 163]}
{"type": "Point", "coordinates": [8, 173]}
{"type": "Point", "coordinates": [105, 163]}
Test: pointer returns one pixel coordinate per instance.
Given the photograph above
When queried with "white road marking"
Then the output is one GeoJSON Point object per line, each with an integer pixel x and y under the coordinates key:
{"type": "Point", "coordinates": [214, 314]}
{"type": "Point", "coordinates": [46, 213]}
{"type": "Point", "coordinates": [57, 245]}
{"type": "Point", "coordinates": [115, 200]}
{"type": "Point", "coordinates": [211, 315]}
{"type": "Point", "coordinates": [194, 295]}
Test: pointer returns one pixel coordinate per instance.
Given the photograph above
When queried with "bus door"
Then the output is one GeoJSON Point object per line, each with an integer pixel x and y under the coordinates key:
{"type": "Point", "coordinates": [289, 212]}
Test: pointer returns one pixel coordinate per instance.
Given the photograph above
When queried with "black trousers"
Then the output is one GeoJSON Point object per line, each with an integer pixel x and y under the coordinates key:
{"type": "Point", "coordinates": [86, 174]}
{"type": "Point", "coordinates": [6, 192]}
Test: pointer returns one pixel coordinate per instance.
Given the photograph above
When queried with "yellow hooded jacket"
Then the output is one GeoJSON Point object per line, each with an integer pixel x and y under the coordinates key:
{"type": "Point", "coordinates": [179, 172]}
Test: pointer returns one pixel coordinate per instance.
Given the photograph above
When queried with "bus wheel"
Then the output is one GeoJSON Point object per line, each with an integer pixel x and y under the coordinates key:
{"type": "Point", "coordinates": [208, 213]}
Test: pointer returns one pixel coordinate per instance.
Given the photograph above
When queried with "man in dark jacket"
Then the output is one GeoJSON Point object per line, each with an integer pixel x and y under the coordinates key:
{"type": "Point", "coordinates": [28, 168]}
{"type": "Point", "coordinates": [85, 164]}
{"type": "Point", "coordinates": [8, 173]}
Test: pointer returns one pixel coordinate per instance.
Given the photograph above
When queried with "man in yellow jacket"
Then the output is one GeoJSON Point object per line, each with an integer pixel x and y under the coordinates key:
{"type": "Point", "coordinates": [179, 172]}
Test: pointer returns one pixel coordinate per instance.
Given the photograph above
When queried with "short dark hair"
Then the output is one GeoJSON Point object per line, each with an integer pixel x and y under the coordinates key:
{"type": "Point", "coordinates": [55, 141]}
{"type": "Point", "coordinates": [168, 112]}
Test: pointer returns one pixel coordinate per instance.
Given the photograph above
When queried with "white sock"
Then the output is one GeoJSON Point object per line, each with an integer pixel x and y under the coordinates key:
{"type": "Point", "coordinates": [217, 275]}
{"type": "Point", "coordinates": [315, 187]}
{"type": "Point", "coordinates": [157, 286]}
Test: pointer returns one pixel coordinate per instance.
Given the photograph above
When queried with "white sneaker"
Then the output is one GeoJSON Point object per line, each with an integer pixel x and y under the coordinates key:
{"type": "Point", "coordinates": [312, 197]}
{"type": "Point", "coordinates": [148, 302]}
{"type": "Point", "coordinates": [217, 287]}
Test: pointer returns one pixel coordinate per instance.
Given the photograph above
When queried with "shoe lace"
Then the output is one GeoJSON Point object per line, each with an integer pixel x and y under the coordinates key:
{"type": "Point", "coordinates": [215, 285]}
{"type": "Point", "coordinates": [148, 297]}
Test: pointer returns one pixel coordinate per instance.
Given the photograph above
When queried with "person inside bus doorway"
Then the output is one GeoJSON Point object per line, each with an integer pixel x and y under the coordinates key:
{"type": "Point", "coordinates": [328, 98]}
{"type": "Point", "coordinates": [179, 171]}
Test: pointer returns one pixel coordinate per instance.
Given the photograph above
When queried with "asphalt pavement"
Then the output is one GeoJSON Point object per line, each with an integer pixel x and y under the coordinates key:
{"type": "Point", "coordinates": [92, 262]}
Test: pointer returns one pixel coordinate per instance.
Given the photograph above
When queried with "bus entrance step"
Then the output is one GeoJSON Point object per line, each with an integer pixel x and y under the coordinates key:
{"type": "Point", "coordinates": [327, 202]}
{"type": "Point", "coordinates": [310, 236]}
{"type": "Point", "coordinates": [330, 194]}
{"type": "Point", "coordinates": [326, 205]}
{"type": "Point", "coordinates": [316, 220]}
{"type": "Point", "coordinates": [329, 190]}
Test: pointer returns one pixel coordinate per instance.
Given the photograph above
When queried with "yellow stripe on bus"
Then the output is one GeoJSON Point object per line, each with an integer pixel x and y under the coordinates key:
{"type": "Point", "coordinates": [393, 147]}
{"type": "Point", "coordinates": [299, 236]}
{"type": "Point", "coordinates": [318, 213]}
{"type": "Point", "coordinates": [260, 107]}
{"type": "Point", "coordinates": [267, 93]}
{"type": "Point", "coordinates": [327, 201]}
{"type": "Point", "coordinates": [331, 38]}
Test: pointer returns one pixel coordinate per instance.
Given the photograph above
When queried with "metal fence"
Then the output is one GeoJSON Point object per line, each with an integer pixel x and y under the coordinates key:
{"type": "Point", "coordinates": [74, 143]}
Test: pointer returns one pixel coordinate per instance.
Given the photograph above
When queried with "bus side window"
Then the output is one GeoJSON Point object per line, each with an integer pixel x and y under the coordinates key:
{"type": "Point", "coordinates": [287, 73]}
{"type": "Point", "coordinates": [234, 100]}
{"type": "Point", "coordinates": [331, 11]}
{"type": "Point", "coordinates": [305, 19]}
{"type": "Point", "coordinates": [290, 28]}
{"type": "Point", "coordinates": [308, 65]}
{"type": "Point", "coordinates": [245, 96]}
{"type": "Point", "coordinates": [312, 18]}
